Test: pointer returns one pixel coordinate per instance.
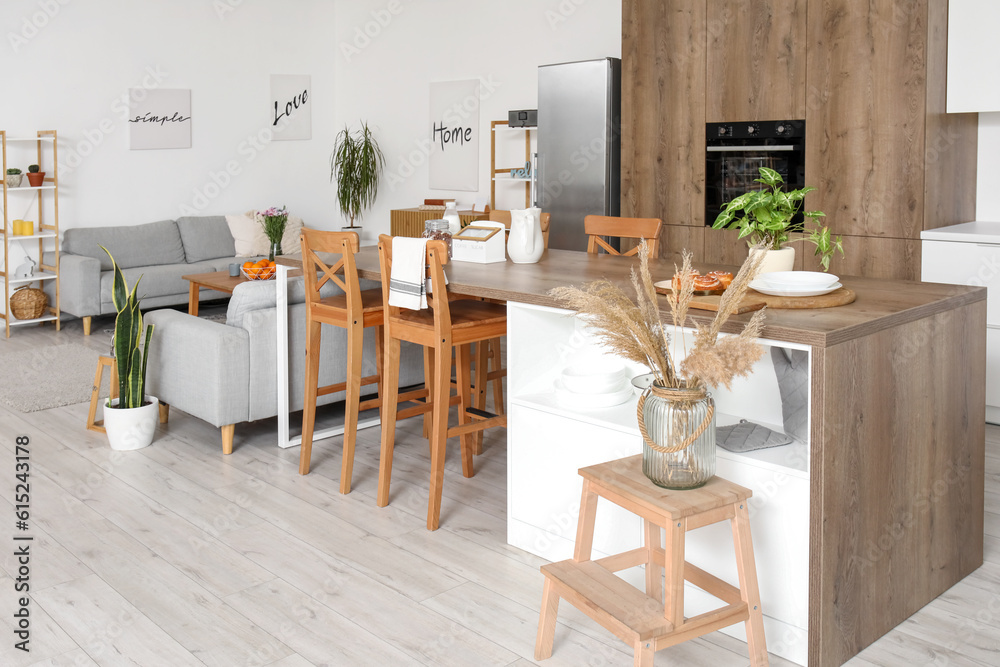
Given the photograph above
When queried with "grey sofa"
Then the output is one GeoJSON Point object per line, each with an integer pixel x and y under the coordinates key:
{"type": "Point", "coordinates": [225, 373]}
{"type": "Point", "coordinates": [160, 252]}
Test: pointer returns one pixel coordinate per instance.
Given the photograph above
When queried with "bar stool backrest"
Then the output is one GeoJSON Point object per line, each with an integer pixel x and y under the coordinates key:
{"type": "Point", "coordinates": [342, 244]}
{"type": "Point", "coordinates": [437, 300]}
{"type": "Point", "coordinates": [597, 226]}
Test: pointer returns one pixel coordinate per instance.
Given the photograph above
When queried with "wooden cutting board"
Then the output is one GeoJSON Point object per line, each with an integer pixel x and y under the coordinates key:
{"type": "Point", "coordinates": [840, 297]}
{"type": "Point", "coordinates": [751, 301]}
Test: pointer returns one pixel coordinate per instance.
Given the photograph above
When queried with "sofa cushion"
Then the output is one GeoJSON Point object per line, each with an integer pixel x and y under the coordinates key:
{"type": "Point", "coordinates": [206, 237]}
{"type": "Point", "coordinates": [250, 239]}
{"type": "Point", "coordinates": [161, 280]}
{"type": "Point", "coordinates": [151, 244]}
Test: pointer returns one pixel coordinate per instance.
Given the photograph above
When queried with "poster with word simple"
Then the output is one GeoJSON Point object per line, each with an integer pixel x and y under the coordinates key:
{"type": "Point", "coordinates": [159, 118]}
{"type": "Point", "coordinates": [291, 108]}
{"type": "Point", "coordinates": [454, 128]}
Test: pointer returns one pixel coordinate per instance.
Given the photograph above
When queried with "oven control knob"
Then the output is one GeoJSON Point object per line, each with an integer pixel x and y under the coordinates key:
{"type": "Point", "coordinates": [753, 129]}
{"type": "Point", "coordinates": [780, 129]}
{"type": "Point", "coordinates": [724, 131]}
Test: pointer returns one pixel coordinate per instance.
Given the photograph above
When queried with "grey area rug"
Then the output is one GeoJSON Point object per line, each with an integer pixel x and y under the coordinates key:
{"type": "Point", "coordinates": [48, 377]}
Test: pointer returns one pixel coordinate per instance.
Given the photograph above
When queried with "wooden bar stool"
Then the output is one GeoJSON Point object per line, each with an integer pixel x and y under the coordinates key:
{"type": "Point", "coordinates": [598, 226]}
{"type": "Point", "coordinates": [102, 363]}
{"type": "Point", "coordinates": [355, 310]}
{"type": "Point", "coordinates": [653, 621]}
{"type": "Point", "coordinates": [440, 328]}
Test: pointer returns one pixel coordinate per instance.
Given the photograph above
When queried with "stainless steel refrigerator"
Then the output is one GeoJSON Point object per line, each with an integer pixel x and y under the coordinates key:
{"type": "Point", "coordinates": [577, 169]}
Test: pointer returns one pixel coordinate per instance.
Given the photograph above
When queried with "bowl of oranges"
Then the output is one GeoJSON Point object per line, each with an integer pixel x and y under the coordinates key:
{"type": "Point", "coordinates": [262, 270]}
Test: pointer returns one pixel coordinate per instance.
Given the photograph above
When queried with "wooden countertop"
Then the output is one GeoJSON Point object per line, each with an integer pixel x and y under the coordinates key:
{"type": "Point", "coordinates": [881, 304]}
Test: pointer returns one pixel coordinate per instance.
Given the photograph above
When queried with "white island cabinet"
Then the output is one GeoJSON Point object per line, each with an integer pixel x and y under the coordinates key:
{"type": "Point", "coordinates": [969, 254]}
{"type": "Point", "coordinates": [549, 440]}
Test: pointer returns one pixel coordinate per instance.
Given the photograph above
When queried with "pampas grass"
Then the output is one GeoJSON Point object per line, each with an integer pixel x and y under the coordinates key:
{"type": "Point", "coordinates": [635, 329]}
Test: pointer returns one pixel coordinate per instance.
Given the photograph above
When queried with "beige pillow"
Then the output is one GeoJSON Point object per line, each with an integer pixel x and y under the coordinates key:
{"type": "Point", "coordinates": [247, 234]}
{"type": "Point", "coordinates": [251, 241]}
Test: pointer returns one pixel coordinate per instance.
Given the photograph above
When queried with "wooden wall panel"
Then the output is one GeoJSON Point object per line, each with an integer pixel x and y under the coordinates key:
{"type": "Point", "coordinates": [951, 143]}
{"type": "Point", "coordinates": [676, 238]}
{"type": "Point", "coordinates": [663, 110]}
{"type": "Point", "coordinates": [756, 60]}
{"type": "Point", "coordinates": [871, 257]}
{"type": "Point", "coordinates": [897, 472]}
{"type": "Point", "coordinates": [865, 125]}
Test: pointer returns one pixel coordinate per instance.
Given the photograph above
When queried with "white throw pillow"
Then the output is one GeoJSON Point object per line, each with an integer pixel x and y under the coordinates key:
{"type": "Point", "coordinates": [247, 234]}
{"type": "Point", "coordinates": [251, 241]}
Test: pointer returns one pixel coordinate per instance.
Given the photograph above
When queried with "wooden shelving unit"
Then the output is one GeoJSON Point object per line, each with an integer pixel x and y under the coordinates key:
{"type": "Point", "coordinates": [503, 174]}
{"type": "Point", "coordinates": [46, 148]}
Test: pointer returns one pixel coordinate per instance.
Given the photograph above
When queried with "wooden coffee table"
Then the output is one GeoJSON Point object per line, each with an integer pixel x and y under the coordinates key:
{"type": "Point", "coordinates": [220, 281]}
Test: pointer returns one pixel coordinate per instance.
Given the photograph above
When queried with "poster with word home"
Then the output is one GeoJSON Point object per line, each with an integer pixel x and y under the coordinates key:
{"type": "Point", "coordinates": [454, 129]}
{"type": "Point", "coordinates": [159, 118]}
{"type": "Point", "coordinates": [290, 109]}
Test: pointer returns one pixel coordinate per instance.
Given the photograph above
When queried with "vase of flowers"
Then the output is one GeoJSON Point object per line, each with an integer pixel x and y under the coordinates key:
{"type": "Point", "coordinates": [273, 220]}
{"type": "Point", "coordinates": [676, 414]}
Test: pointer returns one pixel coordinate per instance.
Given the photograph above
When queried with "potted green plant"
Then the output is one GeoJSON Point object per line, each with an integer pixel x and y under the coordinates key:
{"type": "Point", "coordinates": [14, 177]}
{"type": "Point", "coordinates": [130, 419]}
{"type": "Point", "coordinates": [767, 217]}
{"type": "Point", "coordinates": [356, 165]}
{"type": "Point", "coordinates": [35, 177]}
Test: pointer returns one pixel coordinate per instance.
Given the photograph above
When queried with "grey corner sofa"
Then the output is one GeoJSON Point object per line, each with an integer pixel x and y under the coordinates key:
{"type": "Point", "coordinates": [160, 252]}
{"type": "Point", "coordinates": [224, 373]}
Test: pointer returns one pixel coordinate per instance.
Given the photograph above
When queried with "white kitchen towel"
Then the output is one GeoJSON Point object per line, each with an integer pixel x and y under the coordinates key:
{"type": "Point", "coordinates": [407, 285]}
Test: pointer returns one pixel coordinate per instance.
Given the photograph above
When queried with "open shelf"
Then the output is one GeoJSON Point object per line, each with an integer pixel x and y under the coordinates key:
{"type": "Point", "coordinates": [38, 320]}
{"type": "Point", "coordinates": [43, 235]}
{"type": "Point", "coordinates": [44, 275]}
{"type": "Point", "coordinates": [21, 188]}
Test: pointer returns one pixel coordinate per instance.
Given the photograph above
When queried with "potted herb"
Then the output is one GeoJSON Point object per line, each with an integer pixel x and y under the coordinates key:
{"type": "Point", "coordinates": [356, 165]}
{"type": "Point", "coordinates": [130, 419]}
{"type": "Point", "coordinates": [767, 216]}
{"type": "Point", "coordinates": [14, 177]}
{"type": "Point", "coordinates": [35, 177]}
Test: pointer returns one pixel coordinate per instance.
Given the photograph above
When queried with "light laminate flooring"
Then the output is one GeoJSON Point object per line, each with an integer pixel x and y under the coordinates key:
{"type": "Point", "coordinates": [178, 555]}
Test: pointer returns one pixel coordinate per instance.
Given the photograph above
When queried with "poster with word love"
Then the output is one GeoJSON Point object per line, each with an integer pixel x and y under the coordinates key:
{"type": "Point", "coordinates": [454, 128]}
{"type": "Point", "coordinates": [159, 118]}
{"type": "Point", "coordinates": [291, 108]}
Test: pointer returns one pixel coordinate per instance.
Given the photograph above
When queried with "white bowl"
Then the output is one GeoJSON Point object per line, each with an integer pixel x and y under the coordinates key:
{"type": "Point", "coordinates": [596, 376]}
{"type": "Point", "coordinates": [570, 399]}
{"type": "Point", "coordinates": [804, 280]}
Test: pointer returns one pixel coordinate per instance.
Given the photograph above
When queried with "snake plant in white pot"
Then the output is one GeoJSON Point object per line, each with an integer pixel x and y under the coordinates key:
{"type": "Point", "coordinates": [130, 419]}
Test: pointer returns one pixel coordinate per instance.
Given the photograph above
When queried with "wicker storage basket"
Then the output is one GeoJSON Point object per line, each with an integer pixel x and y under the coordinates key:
{"type": "Point", "coordinates": [28, 303]}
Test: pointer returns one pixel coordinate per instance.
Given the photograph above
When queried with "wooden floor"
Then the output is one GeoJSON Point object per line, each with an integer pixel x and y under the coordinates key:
{"type": "Point", "coordinates": [177, 555]}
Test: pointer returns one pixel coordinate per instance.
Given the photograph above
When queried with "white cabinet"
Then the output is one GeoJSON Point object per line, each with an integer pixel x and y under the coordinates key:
{"type": "Point", "coordinates": [40, 204]}
{"type": "Point", "coordinates": [972, 52]}
{"type": "Point", "coordinates": [547, 442]}
{"type": "Point", "coordinates": [969, 254]}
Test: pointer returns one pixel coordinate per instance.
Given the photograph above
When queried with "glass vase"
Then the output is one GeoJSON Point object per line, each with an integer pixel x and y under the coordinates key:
{"type": "Point", "coordinates": [275, 250]}
{"type": "Point", "coordinates": [678, 449]}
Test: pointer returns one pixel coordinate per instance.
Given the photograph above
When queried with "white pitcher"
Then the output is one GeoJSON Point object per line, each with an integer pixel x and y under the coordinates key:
{"type": "Point", "coordinates": [525, 244]}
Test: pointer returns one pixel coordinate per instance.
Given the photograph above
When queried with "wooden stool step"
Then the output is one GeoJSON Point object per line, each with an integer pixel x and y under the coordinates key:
{"type": "Point", "coordinates": [102, 363]}
{"type": "Point", "coordinates": [644, 620]}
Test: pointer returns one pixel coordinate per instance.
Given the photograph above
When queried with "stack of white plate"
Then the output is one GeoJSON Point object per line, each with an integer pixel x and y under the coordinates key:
{"type": "Point", "coordinates": [595, 383]}
{"type": "Point", "coordinates": [796, 283]}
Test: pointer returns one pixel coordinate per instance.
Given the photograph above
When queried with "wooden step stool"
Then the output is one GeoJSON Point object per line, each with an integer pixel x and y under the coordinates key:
{"type": "Point", "coordinates": [651, 621]}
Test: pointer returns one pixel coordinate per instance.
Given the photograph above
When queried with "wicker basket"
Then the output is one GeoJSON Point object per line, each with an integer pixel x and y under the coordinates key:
{"type": "Point", "coordinates": [28, 303]}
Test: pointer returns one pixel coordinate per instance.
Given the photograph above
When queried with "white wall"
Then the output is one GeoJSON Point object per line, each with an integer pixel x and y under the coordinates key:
{"type": "Point", "coordinates": [385, 79]}
{"type": "Point", "coordinates": [72, 73]}
{"type": "Point", "coordinates": [988, 173]}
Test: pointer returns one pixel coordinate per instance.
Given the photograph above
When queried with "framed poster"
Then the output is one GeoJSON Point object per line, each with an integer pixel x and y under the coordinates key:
{"type": "Point", "coordinates": [454, 128]}
{"type": "Point", "coordinates": [291, 107]}
{"type": "Point", "coordinates": [159, 118]}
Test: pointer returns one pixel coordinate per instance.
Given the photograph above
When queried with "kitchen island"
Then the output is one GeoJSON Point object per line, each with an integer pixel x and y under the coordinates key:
{"type": "Point", "coordinates": [887, 495]}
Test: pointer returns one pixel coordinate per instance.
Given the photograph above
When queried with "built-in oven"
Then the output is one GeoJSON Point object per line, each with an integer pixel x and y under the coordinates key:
{"type": "Point", "coordinates": [735, 152]}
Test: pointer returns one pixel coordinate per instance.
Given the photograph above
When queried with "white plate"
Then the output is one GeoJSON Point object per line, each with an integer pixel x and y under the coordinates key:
{"type": "Point", "coordinates": [798, 279]}
{"type": "Point", "coordinates": [569, 399]}
{"type": "Point", "coordinates": [593, 377]}
{"type": "Point", "coordinates": [784, 291]}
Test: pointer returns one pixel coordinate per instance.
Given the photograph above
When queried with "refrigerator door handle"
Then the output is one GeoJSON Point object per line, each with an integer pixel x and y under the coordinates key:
{"type": "Point", "coordinates": [536, 196]}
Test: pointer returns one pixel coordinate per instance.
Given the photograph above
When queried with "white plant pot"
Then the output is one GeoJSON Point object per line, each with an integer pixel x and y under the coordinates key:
{"type": "Point", "coordinates": [131, 428]}
{"type": "Point", "coordinates": [778, 260]}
